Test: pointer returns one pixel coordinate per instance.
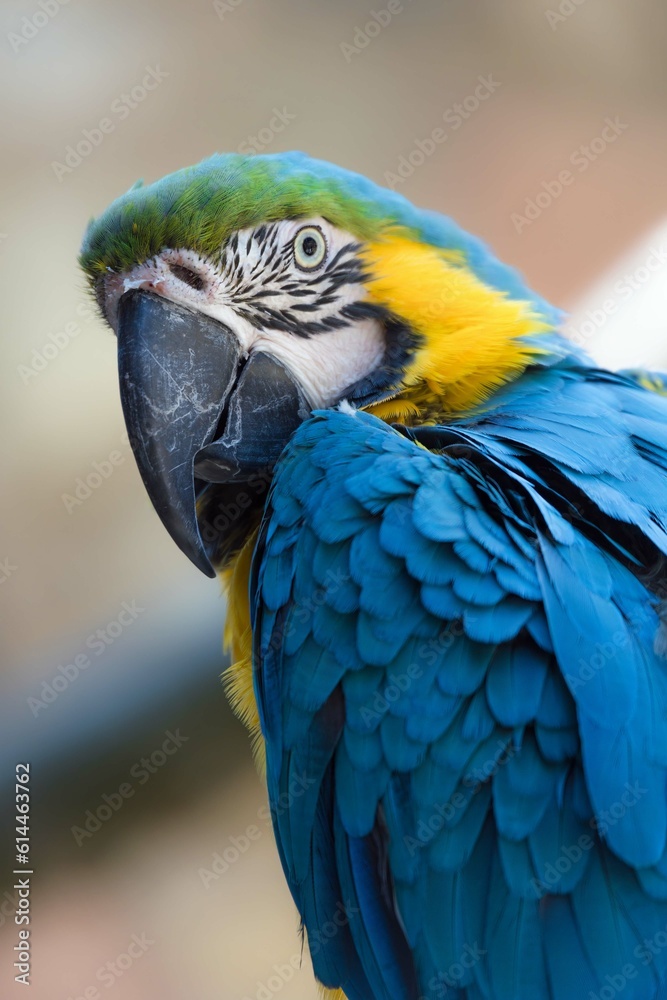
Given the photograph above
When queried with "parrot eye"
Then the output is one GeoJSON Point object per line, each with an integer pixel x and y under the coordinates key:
{"type": "Point", "coordinates": [310, 248]}
{"type": "Point", "coordinates": [187, 276]}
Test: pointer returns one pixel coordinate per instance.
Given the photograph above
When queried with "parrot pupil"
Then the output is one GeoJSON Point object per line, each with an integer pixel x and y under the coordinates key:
{"type": "Point", "coordinates": [309, 246]}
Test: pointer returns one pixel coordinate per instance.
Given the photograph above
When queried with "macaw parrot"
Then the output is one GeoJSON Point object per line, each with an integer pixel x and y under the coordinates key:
{"type": "Point", "coordinates": [442, 531]}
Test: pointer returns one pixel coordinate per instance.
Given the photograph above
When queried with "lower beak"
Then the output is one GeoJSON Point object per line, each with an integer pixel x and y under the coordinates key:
{"type": "Point", "coordinates": [195, 411]}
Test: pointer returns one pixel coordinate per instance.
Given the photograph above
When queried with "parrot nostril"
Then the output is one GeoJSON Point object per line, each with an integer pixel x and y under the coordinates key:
{"type": "Point", "coordinates": [186, 275]}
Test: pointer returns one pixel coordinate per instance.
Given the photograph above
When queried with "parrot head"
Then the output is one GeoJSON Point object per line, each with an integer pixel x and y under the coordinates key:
{"type": "Point", "coordinates": [247, 291]}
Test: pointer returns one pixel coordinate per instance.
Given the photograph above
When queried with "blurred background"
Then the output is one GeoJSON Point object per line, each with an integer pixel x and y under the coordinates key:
{"type": "Point", "coordinates": [155, 873]}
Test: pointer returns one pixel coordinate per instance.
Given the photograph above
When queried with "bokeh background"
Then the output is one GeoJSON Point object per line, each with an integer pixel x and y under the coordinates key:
{"type": "Point", "coordinates": [173, 865]}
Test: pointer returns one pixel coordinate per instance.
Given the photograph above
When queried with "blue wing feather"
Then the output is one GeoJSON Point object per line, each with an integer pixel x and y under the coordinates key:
{"type": "Point", "coordinates": [460, 651]}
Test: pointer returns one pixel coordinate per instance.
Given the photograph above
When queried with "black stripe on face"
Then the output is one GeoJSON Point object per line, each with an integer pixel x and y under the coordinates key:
{"type": "Point", "coordinates": [272, 274]}
{"type": "Point", "coordinates": [401, 343]}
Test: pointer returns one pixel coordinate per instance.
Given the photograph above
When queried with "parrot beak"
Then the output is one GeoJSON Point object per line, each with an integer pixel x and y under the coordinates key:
{"type": "Point", "coordinates": [195, 412]}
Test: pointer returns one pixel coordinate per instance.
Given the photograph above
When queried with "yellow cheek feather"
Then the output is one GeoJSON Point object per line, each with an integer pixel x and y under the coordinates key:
{"type": "Point", "coordinates": [471, 334]}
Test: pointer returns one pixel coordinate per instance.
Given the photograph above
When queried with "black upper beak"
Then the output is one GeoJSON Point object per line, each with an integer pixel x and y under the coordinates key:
{"type": "Point", "coordinates": [188, 413]}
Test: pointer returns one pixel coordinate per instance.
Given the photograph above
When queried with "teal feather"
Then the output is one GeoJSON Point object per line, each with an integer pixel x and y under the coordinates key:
{"type": "Point", "coordinates": [483, 596]}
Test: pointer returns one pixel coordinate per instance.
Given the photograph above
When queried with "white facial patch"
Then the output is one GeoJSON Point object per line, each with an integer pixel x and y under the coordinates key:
{"type": "Point", "coordinates": [304, 317]}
